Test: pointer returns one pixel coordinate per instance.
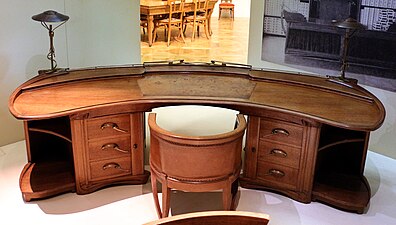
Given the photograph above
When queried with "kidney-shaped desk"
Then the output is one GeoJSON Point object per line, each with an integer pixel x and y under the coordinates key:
{"type": "Point", "coordinates": [307, 137]}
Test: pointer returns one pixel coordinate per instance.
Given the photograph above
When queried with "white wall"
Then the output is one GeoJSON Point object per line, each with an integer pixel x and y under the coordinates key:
{"type": "Point", "coordinates": [99, 32]}
{"type": "Point", "coordinates": [24, 44]}
{"type": "Point", "coordinates": [383, 140]}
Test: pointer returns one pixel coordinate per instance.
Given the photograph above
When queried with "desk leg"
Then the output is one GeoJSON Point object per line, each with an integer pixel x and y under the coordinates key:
{"type": "Point", "coordinates": [150, 28]}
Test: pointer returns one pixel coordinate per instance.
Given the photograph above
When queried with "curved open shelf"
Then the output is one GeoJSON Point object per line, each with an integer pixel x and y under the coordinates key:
{"type": "Point", "coordinates": [44, 179]}
{"type": "Point", "coordinates": [59, 127]}
{"type": "Point", "coordinates": [348, 192]}
{"type": "Point", "coordinates": [341, 142]}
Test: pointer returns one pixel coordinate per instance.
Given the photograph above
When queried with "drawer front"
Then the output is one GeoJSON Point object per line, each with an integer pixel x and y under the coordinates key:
{"type": "Point", "coordinates": [282, 132]}
{"type": "Point", "coordinates": [111, 168]}
{"type": "Point", "coordinates": [280, 154]}
{"type": "Point", "coordinates": [108, 126]}
{"type": "Point", "coordinates": [277, 175]}
{"type": "Point", "coordinates": [110, 148]}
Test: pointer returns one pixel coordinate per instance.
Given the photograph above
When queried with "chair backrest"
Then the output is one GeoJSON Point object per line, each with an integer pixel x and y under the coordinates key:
{"type": "Point", "coordinates": [226, 1]}
{"type": "Point", "coordinates": [176, 8]}
{"type": "Point", "coordinates": [196, 158]}
{"type": "Point", "coordinates": [215, 218]}
{"type": "Point", "coordinates": [201, 6]}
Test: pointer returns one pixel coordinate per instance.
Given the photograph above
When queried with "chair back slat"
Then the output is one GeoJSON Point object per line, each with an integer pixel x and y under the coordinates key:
{"type": "Point", "coordinates": [176, 8]}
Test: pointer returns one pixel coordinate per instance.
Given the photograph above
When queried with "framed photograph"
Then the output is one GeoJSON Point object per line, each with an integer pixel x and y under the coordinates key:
{"type": "Point", "coordinates": [356, 38]}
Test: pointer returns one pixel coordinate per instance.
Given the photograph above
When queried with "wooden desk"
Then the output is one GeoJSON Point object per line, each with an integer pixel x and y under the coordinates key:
{"type": "Point", "coordinates": [307, 137]}
{"type": "Point", "coordinates": [151, 8]}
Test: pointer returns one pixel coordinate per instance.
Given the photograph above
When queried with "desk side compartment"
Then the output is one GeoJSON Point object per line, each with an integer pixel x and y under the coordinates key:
{"type": "Point", "coordinates": [280, 156]}
{"type": "Point", "coordinates": [339, 179]}
{"type": "Point", "coordinates": [108, 150]}
{"type": "Point", "coordinates": [49, 170]}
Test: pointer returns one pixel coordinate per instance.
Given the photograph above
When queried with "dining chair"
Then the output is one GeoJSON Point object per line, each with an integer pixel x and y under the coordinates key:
{"type": "Point", "coordinates": [226, 5]}
{"type": "Point", "coordinates": [199, 17]}
{"type": "Point", "coordinates": [215, 218]}
{"type": "Point", "coordinates": [174, 19]}
{"type": "Point", "coordinates": [195, 163]}
{"type": "Point", "coordinates": [143, 22]}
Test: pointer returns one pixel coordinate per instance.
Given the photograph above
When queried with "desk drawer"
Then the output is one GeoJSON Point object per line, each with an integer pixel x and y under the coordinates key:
{"type": "Point", "coordinates": [278, 153]}
{"type": "Point", "coordinates": [110, 148]}
{"type": "Point", "coordinates": [281, 132]}
{"type": "Point", "coordinates": [111, 168]}
{"type": "Point", "coordinates": [108, 126]}
{"type": "Point", "coordinates": [277, 176]}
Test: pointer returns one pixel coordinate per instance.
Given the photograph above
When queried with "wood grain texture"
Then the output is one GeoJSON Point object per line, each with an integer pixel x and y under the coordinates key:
{"type": "Point", "coordinates": [308, 96]}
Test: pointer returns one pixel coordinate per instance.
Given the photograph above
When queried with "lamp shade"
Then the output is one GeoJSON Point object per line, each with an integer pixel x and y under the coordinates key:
{"type": "Point", "coordinates": [350, 23]}
{"type": "Point", "coordinates": [50, 16]}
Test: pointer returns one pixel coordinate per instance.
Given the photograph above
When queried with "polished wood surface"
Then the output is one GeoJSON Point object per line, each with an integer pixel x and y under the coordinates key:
{"type": "Point", "coordinates": [150, 8]}
{"type": "Point", "coordinates": [312, 97]}
{"type": "Point", "coordinates": [215, 218]}
{"type": "Point", "coordinates": [195, 163]}
{"type": "Point", "coordinates": [307, 136]}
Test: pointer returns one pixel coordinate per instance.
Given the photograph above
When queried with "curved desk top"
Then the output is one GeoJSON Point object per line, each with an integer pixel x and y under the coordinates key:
{"type": "Point", "coordinates": [142, 87]}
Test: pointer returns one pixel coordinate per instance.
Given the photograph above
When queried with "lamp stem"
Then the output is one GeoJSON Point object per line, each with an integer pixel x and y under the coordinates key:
{"type": "Point", "coordinates": [345, 54]}
{"type": "Point", "coordinates": [51, 53]}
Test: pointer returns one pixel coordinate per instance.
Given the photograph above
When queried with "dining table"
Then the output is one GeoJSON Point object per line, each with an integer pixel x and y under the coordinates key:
{"type": "Point", "coordinates": [152, 8]}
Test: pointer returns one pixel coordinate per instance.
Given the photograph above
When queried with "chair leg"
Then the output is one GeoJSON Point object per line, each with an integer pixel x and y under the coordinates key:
{"type": "Point", "coordinates": [207, 29]}
{"type": "Point", "coordinates": [169, 35]}
{"type": "Point", "coordinates": [155, 195]}
{"type": "Point", "coordinates": [193, 31]}
{"type": "Point", "coordinates": [219, 13]}
{"type": "Point", "coordinates": [165, 200]}
{"type": "Point", "coordinates": [227, 197]}
{"type": "Point", "coordinates": [232, 13]}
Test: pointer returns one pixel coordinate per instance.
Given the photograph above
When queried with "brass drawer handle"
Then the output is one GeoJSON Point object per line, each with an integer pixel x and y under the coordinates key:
{"type": "Point", "coordinates": [113, 126]}
{"type": "Point", "coordinates": [280, 131]}
{"type": "Point", "coordinates": [113, 146]}
{"type": "Point", "coordinates": [114, 166]}
{"type": "Point", "coordinates": [276, 173]}
{"type": "Point", "coordinates": [278, 153]}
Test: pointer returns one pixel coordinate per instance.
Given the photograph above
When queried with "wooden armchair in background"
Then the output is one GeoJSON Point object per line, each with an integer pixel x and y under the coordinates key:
{"type": "Point", "coordinates": [195, 164]}
{"type": "Point", "coordinates": [174, 18]}
{"type": "Point", "coordinates": [226, 5]}
{"type": "Point", "coordinates": [215, 218]}
{"type": "Point", "coordinates": [199, 17]}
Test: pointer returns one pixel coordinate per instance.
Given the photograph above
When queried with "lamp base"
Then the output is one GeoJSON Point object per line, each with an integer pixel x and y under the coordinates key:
{"type": "Point", "coordinates": [54, 71]}
{"type": "Point", "coordinates": [348, 82]}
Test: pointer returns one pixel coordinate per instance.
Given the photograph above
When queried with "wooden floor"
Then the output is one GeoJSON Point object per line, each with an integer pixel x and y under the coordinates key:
{"type": "Point", "coordinates": [228, 43]}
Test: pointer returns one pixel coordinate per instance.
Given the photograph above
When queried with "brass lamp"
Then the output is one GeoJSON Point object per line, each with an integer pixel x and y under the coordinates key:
{"type": "Point", "coordinates": [51, 20]}
{"type": "Point", "coordinates": [351, 26]}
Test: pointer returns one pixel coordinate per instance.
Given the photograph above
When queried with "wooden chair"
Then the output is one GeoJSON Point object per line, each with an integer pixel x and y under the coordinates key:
{"type": "Point", "coordinates": [195, 164]}
{"type": "Point", "coordinates": [174, 18]}
{"type": "Point", "coordinates": [226, 5]}
{"type": "Point", "coordinates": [215, 218]}
{"type": "Point", "coordinates": [143, 22]}
{"type": "Point", "coordinates": [199, 17]}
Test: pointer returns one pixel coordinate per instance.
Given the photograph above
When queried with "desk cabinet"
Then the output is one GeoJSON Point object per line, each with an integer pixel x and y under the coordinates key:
{"type": "Point", "coordinates": [108, 150]}
{"type": "Point", "coordinates": [280, 155]}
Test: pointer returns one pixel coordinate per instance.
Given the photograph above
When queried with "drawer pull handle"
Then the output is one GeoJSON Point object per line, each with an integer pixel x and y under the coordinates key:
{"type": "Point", "coordinates": [276, 173]}
{"type": "Point", "coordinates": [278, 153]}
{"type": "Point", "coordinates": [113, 146]}
{"type": "Point", "coordinates": [280, 131]}
{"type": "Point", "coordinates": [113, 126]}
{"type": "Point", "coordinates": [114, 166]}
